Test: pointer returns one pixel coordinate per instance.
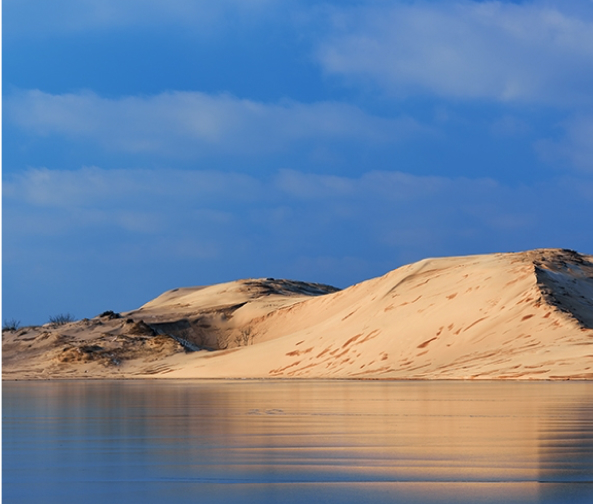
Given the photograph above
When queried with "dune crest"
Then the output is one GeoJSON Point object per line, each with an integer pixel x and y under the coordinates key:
{"type": "Point", "coordinates": [526, 315]}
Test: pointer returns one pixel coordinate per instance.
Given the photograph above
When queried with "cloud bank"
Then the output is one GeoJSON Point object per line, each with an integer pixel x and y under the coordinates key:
{"type": "Point", "coordinates": [532, 52]}
{"type": "Point", "coordinates": [378, 204]}
{"type": "Point", "coordinates": [182, 124]}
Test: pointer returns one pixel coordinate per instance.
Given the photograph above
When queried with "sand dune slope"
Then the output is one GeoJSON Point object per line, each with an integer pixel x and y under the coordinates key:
{"type": "Point", "coordinates": [524, 315]}
{"type": "Point", "coordinates": [141, 342]}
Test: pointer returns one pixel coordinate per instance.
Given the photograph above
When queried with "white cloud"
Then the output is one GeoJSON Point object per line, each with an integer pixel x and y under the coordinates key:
{"type": "Point", "coordinates": [189, 124]}
{"type": "Point", "coordinates": [396, 187]}
{"type": "Point", "coordinates": [537, 51]}
{"type": "Point", "coordinates": [95, 187]}
{"type": "Point", "coordinates": [393, 208]}
{"type": "Point", "coordinates": [529, 52]}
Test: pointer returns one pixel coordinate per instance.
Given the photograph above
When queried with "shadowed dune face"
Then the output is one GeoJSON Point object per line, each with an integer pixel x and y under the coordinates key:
{"type": "Point", "coordinates": [223, 316]}
{"type": "Point", "coordinates": [566, 281]}
{"type": "Point", "coordinates": [526, 315]}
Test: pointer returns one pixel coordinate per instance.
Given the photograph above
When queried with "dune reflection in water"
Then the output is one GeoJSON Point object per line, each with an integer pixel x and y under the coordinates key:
{"type": "Point", "coordinates": [293, 441]}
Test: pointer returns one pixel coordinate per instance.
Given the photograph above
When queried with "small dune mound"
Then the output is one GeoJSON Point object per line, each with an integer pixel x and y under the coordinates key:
{"type": "Point", "coordinates": [221, 316]}
{"type": "Point", "coordinates": [140, 328]}
{"type": "Point", "coordinates": [85, 354]}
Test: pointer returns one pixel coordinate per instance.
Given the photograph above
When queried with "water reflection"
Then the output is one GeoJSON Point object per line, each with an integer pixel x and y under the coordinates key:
{"type": "Point", "coordinates": [289, 441]}
{"type": "Point", "coordinates": [566, 450]}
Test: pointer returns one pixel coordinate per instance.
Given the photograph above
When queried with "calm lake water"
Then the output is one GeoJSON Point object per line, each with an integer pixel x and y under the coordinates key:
{"type": "Point", "coordinates": [297, 442]}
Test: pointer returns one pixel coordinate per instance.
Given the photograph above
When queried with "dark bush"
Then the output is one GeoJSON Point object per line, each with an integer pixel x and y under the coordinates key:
{"type": "Point", "coordinates": [11, 325]}
{"type": "Point", "coordinates": [62, 318]}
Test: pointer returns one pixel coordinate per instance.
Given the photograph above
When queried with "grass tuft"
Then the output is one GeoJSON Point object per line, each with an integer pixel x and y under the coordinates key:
{"type": "Point", "coordinates": [11, 325]}
{"type": "Point", "coordinates": [62, 318]}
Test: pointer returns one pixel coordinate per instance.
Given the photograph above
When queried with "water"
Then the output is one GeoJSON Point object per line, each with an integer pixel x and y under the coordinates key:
{"type": "Point", "coordinates": [297, 442]}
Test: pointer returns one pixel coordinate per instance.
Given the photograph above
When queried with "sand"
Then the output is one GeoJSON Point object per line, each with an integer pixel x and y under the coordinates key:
{"type": "Point", "coordinates": [526, 315]}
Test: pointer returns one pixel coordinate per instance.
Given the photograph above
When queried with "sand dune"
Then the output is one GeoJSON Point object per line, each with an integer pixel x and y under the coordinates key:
{"type": "Point", "coordinates": [523, 315]}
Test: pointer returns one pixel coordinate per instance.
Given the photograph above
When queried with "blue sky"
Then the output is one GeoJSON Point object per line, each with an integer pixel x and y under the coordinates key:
{"type": "Point", "coordinates": [149, 145]}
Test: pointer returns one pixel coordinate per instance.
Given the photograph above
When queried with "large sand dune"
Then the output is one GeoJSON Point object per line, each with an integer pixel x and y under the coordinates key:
{"type": "Point", "coordinates": [523, 315]}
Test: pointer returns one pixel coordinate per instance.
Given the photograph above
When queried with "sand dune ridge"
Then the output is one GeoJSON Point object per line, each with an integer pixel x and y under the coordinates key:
{"type": "Point", "coordinates": [526, 315]}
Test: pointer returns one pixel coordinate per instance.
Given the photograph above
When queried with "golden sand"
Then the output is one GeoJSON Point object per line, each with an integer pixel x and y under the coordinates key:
{"type": "Point", "coordinates": [525, 315]}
